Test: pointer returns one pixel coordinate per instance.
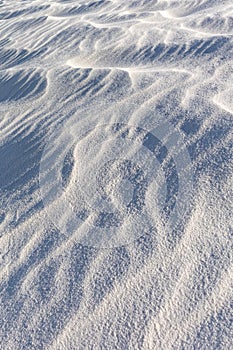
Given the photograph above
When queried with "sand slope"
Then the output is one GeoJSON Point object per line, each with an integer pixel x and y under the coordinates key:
{"type": "Point", "coordinates": [116, 174]}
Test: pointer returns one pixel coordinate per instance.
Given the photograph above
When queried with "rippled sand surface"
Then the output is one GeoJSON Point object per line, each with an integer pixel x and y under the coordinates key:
{"type": "Point", "coordinates": [116, 175]}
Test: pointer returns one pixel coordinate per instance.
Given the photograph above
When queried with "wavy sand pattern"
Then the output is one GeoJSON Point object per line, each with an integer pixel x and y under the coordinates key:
{"type": "Point", "coordinates": [134, 101]}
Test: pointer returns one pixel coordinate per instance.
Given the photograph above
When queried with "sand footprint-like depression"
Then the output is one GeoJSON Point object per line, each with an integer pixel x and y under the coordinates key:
{"type": "Point", "coordinates": [113, 183]}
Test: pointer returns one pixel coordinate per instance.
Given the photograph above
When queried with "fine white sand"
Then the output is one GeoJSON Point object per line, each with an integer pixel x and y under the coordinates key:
{"type": "Point", "coordinates": [116, 174]}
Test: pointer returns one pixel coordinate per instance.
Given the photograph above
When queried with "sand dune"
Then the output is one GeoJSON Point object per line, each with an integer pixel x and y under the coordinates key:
{"type": "Point", "coordinates": [116, 174]}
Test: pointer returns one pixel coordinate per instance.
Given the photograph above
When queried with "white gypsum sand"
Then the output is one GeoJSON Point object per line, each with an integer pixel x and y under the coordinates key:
{"type": "Point", "coordinates": [116, 174]}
